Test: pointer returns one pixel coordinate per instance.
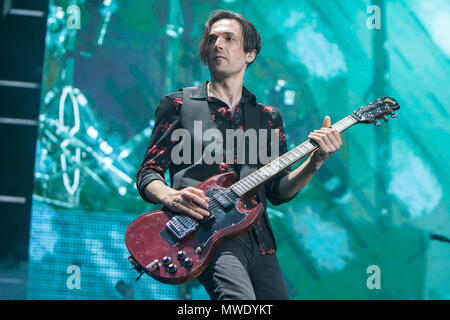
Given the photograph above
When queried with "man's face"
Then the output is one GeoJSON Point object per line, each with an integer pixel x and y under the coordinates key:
{"type": "Point", "coordinates": [226, 54]}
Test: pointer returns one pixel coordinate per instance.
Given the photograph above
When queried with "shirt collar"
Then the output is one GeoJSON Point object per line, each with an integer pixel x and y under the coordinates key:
{"type": "Point", "coordinates": [200, 93]}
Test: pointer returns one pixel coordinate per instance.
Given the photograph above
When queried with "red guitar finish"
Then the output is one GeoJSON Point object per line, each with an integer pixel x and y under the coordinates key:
{"type": "Point", "coordinates": [146, 244]}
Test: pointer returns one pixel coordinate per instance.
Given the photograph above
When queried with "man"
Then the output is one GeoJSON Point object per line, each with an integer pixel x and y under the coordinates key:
{"type": "Point", "coordinates": [244, 267]}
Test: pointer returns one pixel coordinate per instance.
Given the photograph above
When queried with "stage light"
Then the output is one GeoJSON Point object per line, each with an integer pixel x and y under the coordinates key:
{"type": "Point", "coordinates": [59, 13]}
{"type": "Point", "coordinates": [107, 162]}
{"type": "Point", "coordinates": [147, 132]}
{"type": "Point", "coordinates": [106, 148]}
{"type": "Point", "coordinates": [124, 153]}
{"type": "Point", "coordinates": [49, 96]}
{"type": "Point", "coordinates": [81, 98]}
{"type": "Point", "coordinates": [289, 97]}
{"type": "Point", "coordinates": [281, 82]}
{"type": "Point", "coordinates": [174, 31]}
{"type": "Point", "coordinates": [122, 191]}
{"type": "Point", "coordinates": [109, 7]}
{"type": "Point", "coordinates": [92, 132]}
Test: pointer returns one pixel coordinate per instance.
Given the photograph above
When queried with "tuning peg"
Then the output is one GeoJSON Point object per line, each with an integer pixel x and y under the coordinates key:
{"type": "Point", "coordinates": [377, 123]}
{"type": "Point", "coordinates": [393, 115]}
{"type": "Point", "coordinates": [385, 119]}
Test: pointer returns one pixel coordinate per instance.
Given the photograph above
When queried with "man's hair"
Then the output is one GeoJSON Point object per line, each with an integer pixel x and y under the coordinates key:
{"type": "Point", "coordinates": [250, 36]}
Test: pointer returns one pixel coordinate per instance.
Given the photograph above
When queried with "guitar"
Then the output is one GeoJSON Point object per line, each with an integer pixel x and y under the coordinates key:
{"type": "Point", "coordinates": [175, 248]}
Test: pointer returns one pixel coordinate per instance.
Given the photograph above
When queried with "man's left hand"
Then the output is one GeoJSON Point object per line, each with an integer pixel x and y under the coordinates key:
{"type": "Point", "coordinates": [328, 139]}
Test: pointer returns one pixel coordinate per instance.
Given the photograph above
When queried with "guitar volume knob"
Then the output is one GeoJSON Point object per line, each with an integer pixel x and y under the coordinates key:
{"type": "Point", "coordinates": [172, 268]}
{"type": "Point", "coordinates": [181, 255]}
{"type": "Point", "coordinates": [166, 260]}
{"type": "Point", "coordinates": [188, 262]}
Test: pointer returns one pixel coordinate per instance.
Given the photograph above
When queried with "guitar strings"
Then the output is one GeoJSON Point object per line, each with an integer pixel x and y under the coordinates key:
{"type": "Point", "coordinates": [216, 203]}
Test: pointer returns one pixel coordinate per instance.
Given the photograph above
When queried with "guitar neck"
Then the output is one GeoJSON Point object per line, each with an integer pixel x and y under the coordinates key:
{"type": "Point", "coordinates": [286, 160]}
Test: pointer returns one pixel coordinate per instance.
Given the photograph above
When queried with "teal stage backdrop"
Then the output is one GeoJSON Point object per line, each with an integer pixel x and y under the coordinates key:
{"type": "Point", "coordinates": [360, 230]}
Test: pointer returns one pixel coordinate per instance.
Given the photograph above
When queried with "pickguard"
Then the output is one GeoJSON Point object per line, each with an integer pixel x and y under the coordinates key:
{"type": "Point", "coordinates": [224, 215]}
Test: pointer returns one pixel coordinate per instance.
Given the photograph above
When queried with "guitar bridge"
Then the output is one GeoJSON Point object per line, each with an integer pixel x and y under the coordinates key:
{"type": "Point", "coordinates": [181, 226]}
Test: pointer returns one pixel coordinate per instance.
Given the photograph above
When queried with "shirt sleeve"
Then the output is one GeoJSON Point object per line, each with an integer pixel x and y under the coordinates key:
{"type": "Point", "coordinates": [272, 187]}
{"type": "Point", "coordinates": [157, 155]}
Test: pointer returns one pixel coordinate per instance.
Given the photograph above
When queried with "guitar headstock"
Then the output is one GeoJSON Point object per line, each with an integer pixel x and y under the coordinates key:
{"type": "Point", "coordinates": [377, 110]}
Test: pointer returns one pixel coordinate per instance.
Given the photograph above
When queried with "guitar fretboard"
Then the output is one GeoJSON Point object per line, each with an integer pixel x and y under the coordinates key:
{"type": "Point", "coordinates": [284, 161]}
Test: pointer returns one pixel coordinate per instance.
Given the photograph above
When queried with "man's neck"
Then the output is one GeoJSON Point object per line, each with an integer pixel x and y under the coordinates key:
{"type": "Point", "coordinates": [228, 90]}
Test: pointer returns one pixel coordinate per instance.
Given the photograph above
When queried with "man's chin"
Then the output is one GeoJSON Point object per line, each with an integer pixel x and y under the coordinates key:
{"type": "Point", "coordinates": [218, 70]}
{"type": "Point", "coordinates": [218, 64]}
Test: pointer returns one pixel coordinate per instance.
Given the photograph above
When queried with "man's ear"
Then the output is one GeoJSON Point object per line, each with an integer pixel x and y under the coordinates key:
{"type": "Point", "coordinates": [252, 56]}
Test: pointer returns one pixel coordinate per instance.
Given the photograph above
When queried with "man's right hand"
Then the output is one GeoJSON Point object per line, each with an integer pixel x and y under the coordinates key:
{"type": "Point", "coordinates": [190, 200]}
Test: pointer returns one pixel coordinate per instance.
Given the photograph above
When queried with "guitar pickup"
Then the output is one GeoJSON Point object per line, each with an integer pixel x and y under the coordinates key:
{"type": "Point", "coordinates": [224, 201]}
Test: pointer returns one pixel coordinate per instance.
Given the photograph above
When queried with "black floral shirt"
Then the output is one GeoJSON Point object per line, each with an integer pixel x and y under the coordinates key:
{"type": "Point", "coordinates": [157, 158]}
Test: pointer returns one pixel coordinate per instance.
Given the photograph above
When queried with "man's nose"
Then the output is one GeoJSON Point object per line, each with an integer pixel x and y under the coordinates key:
{"type": "Point", "coordinates": [219, 42]}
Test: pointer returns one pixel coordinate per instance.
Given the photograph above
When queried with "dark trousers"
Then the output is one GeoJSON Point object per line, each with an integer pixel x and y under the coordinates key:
{"type": "Point", "coordinates": [238, 271]}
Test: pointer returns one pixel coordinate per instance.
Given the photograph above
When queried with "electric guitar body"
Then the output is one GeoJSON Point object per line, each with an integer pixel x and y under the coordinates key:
{"type": "Point", "coordinates": [173, 248]}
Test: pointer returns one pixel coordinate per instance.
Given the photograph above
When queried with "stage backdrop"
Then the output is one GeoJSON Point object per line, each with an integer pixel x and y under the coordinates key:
{"type": "Point", "coordinates": [360, 230]}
